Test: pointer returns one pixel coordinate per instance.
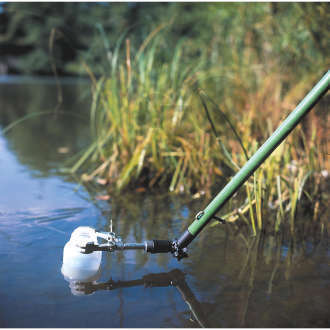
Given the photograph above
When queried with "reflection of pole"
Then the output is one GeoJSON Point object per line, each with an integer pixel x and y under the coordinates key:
{"type": "Point", "coordinates": [174, 278]}
{"type": "Point", "coordinates": [194, 305]}
{"type": "Point", "coordinates": [177, 278]}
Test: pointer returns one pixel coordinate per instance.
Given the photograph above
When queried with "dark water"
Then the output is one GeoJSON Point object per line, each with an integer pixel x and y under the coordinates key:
{"type": "Point", "coordinates": [230, 279]}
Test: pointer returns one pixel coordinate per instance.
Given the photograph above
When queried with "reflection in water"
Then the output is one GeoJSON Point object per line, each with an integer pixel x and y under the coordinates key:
{"type": "Point", "coordinates": [264, 286]}
{"type": "Point", "coordinates": [44, 141]}
{"type": "Point", "coordinates": [174, 278]}
{"type": "Point", "coordinates": [271, 280]}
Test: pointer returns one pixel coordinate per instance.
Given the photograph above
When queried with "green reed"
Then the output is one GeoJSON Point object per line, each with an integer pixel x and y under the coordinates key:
{"type": "Point", "coordinates": [158, 123]}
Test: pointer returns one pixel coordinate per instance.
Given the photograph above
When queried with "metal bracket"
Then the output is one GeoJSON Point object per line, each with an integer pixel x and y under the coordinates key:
{"type": "Point", "coordinates": [222, 221]}
{"type": "Point", "coordinates": [178, 252]}
{"type": "Point", "coordinates": [113, 242]}
{"type": "Point", "coordinates": [199, 215]}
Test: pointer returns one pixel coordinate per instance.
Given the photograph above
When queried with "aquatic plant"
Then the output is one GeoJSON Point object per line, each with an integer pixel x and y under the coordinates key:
{"type": "Point", "coordinates": [188, 124]}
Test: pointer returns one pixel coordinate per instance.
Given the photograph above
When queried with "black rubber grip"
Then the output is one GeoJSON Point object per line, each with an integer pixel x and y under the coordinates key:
{"type": "Point", "coordinates": [185, 239]}
{"type": "Point", "coordinates": [159, 246]}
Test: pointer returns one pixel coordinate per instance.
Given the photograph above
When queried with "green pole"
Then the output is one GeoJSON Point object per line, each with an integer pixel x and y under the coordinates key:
{"type": "Point", "coordinates": [256, 160]}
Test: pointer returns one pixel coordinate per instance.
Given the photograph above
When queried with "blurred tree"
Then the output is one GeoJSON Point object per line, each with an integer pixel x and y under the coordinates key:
{"type": "Point", "coordinates": [284, 33]}
{"type": "Point", "coordinates": [31, 30]}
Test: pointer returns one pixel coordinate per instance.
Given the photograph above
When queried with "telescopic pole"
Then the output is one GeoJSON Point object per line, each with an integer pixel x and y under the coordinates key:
{"type": "Point", "coordinates": [204, 217]}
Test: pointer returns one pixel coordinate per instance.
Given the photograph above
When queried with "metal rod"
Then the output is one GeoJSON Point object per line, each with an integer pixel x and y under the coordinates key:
{"type": "Point", "coordinates": [256, 160]}
{"type": "Point", "coordinates": [134, 246]}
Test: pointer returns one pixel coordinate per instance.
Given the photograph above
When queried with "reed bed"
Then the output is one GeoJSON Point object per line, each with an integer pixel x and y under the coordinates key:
{"type": "Point", "coordinates": [189, 125]}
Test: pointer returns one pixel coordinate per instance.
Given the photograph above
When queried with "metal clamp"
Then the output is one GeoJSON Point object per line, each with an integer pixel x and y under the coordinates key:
{"type": "Point", "coordinates": [178, 252]}
{"type": "Point", "coordinates": [199, 215]}
{"type": "Point", "coordinates": [222, 221]}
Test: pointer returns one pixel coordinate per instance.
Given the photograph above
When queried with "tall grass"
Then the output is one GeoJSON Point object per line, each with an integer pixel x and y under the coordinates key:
{"type": "Point", "coordinates": [150, 128]}
{"type": "Point", "coordinates": [145, 125]}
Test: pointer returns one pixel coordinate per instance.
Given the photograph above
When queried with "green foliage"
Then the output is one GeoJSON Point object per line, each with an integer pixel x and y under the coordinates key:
{"type": "Point", "coordinates": [290, 34]}
{"type": "Point", "coordinates": [141, 121]}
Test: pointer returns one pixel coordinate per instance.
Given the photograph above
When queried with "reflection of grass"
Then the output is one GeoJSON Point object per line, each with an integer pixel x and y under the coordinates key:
{"type": "Point", "coordinates": [150, 129]}
{"type": "Point", "coordinates": [246, 272]}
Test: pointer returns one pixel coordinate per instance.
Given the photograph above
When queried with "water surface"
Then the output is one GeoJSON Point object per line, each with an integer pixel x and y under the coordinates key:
{"type": "Point", "coordinates": [230, 279]}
